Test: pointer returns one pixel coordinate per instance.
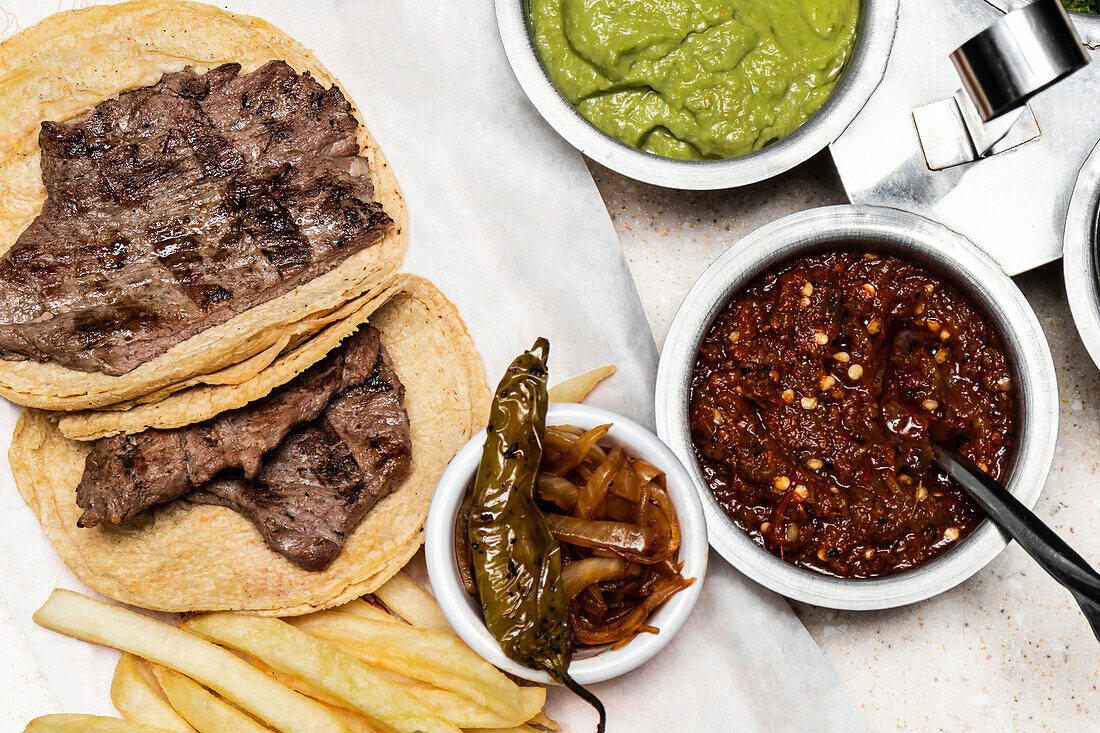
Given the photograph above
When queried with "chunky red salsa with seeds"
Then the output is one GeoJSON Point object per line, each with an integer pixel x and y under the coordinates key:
{"type": "Point", "coordinates": [815, 399]}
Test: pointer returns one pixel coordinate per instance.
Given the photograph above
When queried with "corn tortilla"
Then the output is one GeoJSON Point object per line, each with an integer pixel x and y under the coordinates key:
{"type": "Point", "coordinates": [204, 397]}
{"type": "Point", "coordinates": [61, 67]}
{"type": "Point", "coordinates": [184, 557]}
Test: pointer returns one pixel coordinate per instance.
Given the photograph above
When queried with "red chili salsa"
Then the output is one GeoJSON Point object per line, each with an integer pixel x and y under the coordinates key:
{"type": "Point", "coordinates": [815, 398]}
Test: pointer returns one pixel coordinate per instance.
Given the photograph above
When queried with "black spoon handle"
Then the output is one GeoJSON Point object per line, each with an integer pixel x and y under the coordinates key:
{"type": "Point", "coordinates": [1091, 610]}
{"type": "Point", "coordinates": [1039, 540]}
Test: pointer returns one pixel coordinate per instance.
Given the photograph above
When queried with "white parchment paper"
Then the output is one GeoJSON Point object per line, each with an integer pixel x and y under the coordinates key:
{"type": "Point", "coordinates": [506, 220]}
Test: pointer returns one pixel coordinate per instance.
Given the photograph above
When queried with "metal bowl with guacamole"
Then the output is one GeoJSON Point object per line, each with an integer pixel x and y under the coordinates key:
{"type": "Point", "coordinates": [698, 93]}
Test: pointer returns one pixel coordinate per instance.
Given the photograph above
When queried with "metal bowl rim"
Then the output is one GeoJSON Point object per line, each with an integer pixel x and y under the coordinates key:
{"type": "Point", "coordinates": [1079, 254]}
{"type": "Point", "coordinates": [865, 70]}
{"type": "Point", "coordinates": [924, 242]}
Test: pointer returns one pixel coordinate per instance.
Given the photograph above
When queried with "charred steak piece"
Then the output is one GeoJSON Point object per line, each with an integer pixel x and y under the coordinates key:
{"type": "Point", "coordinates": [304, 464]}
{"type": "Point", "coordinates": [126, 474]}
{"type": "Point", "coordinates": [319, 484]}
{"type": "Point", "coordinates": [175, 207]}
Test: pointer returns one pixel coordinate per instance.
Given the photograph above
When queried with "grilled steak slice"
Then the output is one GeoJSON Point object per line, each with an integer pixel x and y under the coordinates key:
{"type": "Point", "coordinates": [126, 474]}
{"type": "Point", "coordinates": [353, 389]}
{"type": "Point", "coordinates": [175, 207]}
{"type": "Point", "coordinates": [320, 483]}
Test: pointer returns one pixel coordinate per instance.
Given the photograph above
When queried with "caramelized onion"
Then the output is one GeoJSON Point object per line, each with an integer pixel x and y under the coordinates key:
{"type": "Point", "coordinates": [562, 439]}
{"type": "Point", "coordinates": [618, 531]}
{"type": "Point", "coordinates": [598, 484]}
{"type": "Point", "coordinates": [628, 484]}
{"type": "Point", "coordinates": [592, 570]}
{"type": "Point", "coordinates": [627, 540]}
{"type": "Point", "coordinates": [629, 625]}
{"type": "Point", "coordinates": [464, 555]}
{"type": "Point", "coordinates": [561, 492]}
{"type": "Point", "coordinates": [577, 452]}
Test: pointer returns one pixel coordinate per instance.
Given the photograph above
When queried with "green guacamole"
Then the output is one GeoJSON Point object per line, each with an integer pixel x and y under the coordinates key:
{"type": "Point", "coordinates": [695, 79]}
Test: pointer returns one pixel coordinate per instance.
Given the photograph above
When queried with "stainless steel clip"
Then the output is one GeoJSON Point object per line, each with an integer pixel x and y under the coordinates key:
{"type": "Point", "coordinates": [1019, 55]}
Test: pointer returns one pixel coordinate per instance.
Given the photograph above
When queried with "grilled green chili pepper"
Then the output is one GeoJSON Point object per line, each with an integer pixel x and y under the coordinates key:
{"type": "Point", "coordinates": [517, 562]}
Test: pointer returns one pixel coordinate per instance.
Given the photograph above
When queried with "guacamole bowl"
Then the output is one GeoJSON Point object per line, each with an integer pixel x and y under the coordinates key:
{"type": "Point", "coordinates": [859, 77]}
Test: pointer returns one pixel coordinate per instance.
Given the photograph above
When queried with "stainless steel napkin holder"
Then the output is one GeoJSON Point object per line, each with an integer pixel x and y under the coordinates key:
{"type": "Point", "coordinates": [990, 159]}
{"type": "Point", "coordinates": [1013, 59]}
{"type": "Point", "coordinates": [1018, 56]}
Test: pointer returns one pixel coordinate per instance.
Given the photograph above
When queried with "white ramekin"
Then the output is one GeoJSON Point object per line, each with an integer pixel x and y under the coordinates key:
{"type": "Point", "coordinates": [463, 611]}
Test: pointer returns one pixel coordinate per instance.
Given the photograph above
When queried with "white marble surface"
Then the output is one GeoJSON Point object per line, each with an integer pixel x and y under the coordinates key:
{"type": "Point", "coordinates": [1007, 650]}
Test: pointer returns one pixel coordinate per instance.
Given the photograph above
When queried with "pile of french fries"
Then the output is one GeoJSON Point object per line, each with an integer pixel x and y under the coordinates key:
{"type": "Point", "coordinates": [358, 668]}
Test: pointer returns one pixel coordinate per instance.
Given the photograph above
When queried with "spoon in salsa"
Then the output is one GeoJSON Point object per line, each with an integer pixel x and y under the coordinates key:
{"type": "Point", "coordinates": [1037, 539]}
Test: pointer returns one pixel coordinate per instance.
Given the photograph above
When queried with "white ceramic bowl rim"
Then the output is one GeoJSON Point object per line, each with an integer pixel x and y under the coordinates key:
{"type": "Point", "coordinates": [959, 262]}
{"type": "Point", "coordinates": [866, 67]}
{"type": "Point", "coordinates": [464, 613]}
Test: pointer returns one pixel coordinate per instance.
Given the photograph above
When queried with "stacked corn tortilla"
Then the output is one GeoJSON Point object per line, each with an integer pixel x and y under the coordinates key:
{"type": "Point", "coordinates": [179, 556]}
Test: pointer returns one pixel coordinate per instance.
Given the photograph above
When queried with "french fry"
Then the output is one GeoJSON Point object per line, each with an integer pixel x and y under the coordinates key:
{"type": "Point", "coordinates": [289, 650]}
{"type": "Point", "coordinates": [439, 659]}
{"type": "Point", "coordinates": [287, 680]}
{"type": "Point", "coordinates": [201, 708]}
{"type": "Point", "coordinates": [515, 729]}
{"type": "Point", "coordinates": [407, 599]}
{"type": "Point", "coordinates": [542, 720]}
{"type": "Point", "coordinates": [66, 723]}
{"type": "Point", "coordinates": [466, 713]}
{"type": "Point", "coordinates": [575, 389]}
{"type": "Point", "coordinates": [358, 722]}
{"type": "Point", "coordinates": [452, 707]}
{"type": "Point", "coordinates": [81, 617]}
{"type": "Point", "coordinates": [361, 608]}
{"type": "Point", "coordinates": [137, 695]}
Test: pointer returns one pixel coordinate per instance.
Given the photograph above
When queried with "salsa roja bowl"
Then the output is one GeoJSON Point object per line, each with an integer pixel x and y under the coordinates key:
{"type": "Point", "coordinates": [945, 256]}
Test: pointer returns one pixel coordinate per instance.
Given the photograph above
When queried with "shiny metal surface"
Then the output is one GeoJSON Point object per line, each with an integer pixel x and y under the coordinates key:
{"type": "Point", "coordinates": [1087, 24]}
{"type": "Point", "coordinates": [1012, 205]}
{"type": "Point", "coordinates": [1080, 265]}
{"type": "Point", "coordinates": [943, 136]}
{"type": "Point", "coordinates": [951, 131]}
{"type": "Point", "coordinates": [960, 263]}
{"type": "Point", "coordinates": [860, 79]}
{"type": "Point", "coordinates": [1020, 54]}
{"type": "Point", "coordinates": [1002, 133]}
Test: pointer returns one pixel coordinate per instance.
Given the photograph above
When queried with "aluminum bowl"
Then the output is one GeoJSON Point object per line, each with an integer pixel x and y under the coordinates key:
{"type": "Point", "coordinates": [958, 262]}
{"type": "Point", "coordinates": [860, 79]}
{"type": "Point", "coordinates": [1079, 254]}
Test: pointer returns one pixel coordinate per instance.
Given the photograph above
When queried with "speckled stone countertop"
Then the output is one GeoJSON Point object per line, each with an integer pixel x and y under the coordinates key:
{"type": "Point", "coordinates": [1008, 649]}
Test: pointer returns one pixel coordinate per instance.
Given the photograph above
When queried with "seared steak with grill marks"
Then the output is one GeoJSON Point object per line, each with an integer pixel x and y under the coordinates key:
{"type": "Point", "coordinates": [322, 480]}
{"type": "Point", "coordinates": [175, 207]}
{"type": "Point", "coordinates": [125, 474]}
{"type": "Point", "coordinates": [304, 464]}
